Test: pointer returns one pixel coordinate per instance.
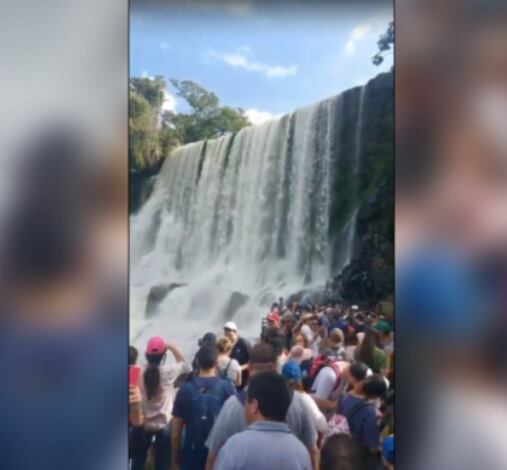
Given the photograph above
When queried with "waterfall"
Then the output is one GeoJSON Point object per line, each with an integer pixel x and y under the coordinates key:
{"type": "Point", "coordinates": [244, 215]}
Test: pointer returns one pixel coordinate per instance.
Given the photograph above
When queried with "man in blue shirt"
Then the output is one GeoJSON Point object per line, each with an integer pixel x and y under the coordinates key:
{"type": "Point", "coordinates": [360, 411]}
{"type": "Point", "coordinates": [268, 442]}
{"type": "Point", "coordinates": [197, 404]}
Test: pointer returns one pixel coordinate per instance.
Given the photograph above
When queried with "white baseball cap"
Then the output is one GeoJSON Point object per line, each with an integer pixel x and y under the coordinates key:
{"type": "Point", "coordinates": [230, 325]}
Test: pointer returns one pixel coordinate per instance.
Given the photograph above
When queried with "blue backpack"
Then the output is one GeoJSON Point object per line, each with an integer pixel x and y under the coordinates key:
{"type": "Point", "coordinates": [206, 403]}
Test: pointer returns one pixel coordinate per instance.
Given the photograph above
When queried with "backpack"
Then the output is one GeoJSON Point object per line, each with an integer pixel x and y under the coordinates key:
{"type": "Point", "coordinates": [317, 365]}
{"type": "Point", "coordinates": [205, 406]}
{"type": "Point", "coordinates": [339, 423]}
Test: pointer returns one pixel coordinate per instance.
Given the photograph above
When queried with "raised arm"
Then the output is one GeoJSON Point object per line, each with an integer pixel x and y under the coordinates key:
{"type": "Point", "coordinates": [175, 352]}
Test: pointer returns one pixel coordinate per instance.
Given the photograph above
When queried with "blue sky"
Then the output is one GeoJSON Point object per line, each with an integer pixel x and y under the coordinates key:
{"type": "Point", "coordinates": [267, 60]}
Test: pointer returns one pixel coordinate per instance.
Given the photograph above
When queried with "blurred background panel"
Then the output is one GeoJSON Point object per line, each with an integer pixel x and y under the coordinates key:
{"type": "Point", "coordinates": [63, 234]}
{"type": "Point", "coordinates": [451, 233]}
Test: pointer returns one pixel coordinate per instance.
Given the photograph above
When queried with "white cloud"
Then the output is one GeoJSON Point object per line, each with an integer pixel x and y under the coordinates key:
{"type": "Point", "coordinates": [144, 74]}
{"type": "Point", "coordinates": [358, 33]}
{"type": "Point", "coordinates": [239, 60]}
{"type": "Point", "coordinates": [169, 103]}
{"type": "Point", "coordinates": [165, 46]}
{"type": "Point", "coordinates": [258, 117]}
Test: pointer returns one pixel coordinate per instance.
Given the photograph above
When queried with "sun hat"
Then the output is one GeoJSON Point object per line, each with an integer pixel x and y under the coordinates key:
{"type": "Point", "coordinates": [156, 345]}
{"type": "Point", "coordinates": [291, 371]}
{"type": "Point", "coordinates": [230, 325]}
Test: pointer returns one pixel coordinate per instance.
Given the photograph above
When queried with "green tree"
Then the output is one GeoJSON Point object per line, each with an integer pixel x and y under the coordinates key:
{"type": "Point", "coordinates": [230, 120]}
{"type": "Point", "coordinates": [154, 133]}
{"type": "Point", "coordinates": [152, 89]}
{"type": "Point", "coordinates": [207, 119]}
{"type": "Point", "coordinates": [202, 102]}
{"type": "Point", "coordinates": [385, 44]}
{"type": "Point", "coordinates": [142, 131]}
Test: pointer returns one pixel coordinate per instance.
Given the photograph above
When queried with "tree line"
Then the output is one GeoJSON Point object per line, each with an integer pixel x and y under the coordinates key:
{"type": "Point", "coordinates": [154, 132]}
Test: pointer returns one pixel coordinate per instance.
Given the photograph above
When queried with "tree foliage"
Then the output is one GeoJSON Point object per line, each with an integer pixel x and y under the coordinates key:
{"type": "Point", "coordinates": [385, 44]}
{"type": "Point", "coordinates": [143, 137]}
{"type": "Point", "coordinates": [152, 89]}
{"type": "Point", "coordinates": [154, 132]}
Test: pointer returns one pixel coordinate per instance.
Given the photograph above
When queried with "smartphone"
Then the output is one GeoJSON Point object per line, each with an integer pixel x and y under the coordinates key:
{"type": "Point", "coordinates": [134, 372]}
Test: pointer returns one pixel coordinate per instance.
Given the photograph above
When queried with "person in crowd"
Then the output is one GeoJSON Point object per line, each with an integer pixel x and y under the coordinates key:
{"type": "Point", "coordinates": [354, 375]}
{"type": "Point", "coordinates": [388, 452]}
{"type": "Point", "coordinates": [240, 350]}
{"type": "Point", "coordinates": [300, 354]}
{"type": "Point", "coordinates": [369, 353]}
{"type": "Point", "coordinates": [273, 319]}
{"type": "Point", "coordinates": [304, 358]}
{"type": "Point", "coordinates": [300, 340]}
{"type": "Point", "coordinates": [133, 354]}
{"type": "Point", "coordinates": [361, 414]}
{"type": "Point", "coordinates": [136, 420]}
{"type": "Point", "coordinates": [228, 368]}
{"type": "Point", "coordinates": [157, 388]}
{"type": "Point", "coordinates": [268, 442]}
{"type": "Point", "coordinates": [134, 374]}
{"type": "Point", "coordinates": [358, 322]}
{"type": "Point", "coordinates": [310, 330]}
{"type": "Point", "coordinates": [134, 370]}
{"type": "Point", "coordinates": [271, 325]}
{"type": "Point", "coordinates": [335, 342]}
{"type": "Point", "coordinates": [342, 452]}
{"type": "Point", "coordinates": [231, 419]}
{"type": "Point", "coordinates": [288, 323]}
{"type": "Point", "coordinates": [196, 407]}
{"type": "Point", "coordinates": [325, 320]}
{"type": "Point", "coordinates": [328, 382]}
{"type": "Point", "coordinates": [350, 343]}
{"type": "Point", "coordinates": [292, 373]}
{"type": "Point", "coordinates": [209, 339]}
{"type": "Point", "coordinates": [338, 321]}
{"type": "Point", "coordinates": [386, 336]}
{"type": "Point", "coordinates": [277, 341]}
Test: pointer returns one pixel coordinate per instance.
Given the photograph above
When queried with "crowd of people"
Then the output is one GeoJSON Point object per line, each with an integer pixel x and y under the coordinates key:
{"type": "Point", "coordinates": [315, 391]}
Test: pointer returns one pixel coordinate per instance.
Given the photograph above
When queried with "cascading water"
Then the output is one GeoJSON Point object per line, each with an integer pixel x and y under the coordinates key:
{"type": "Point", "coordinates": [240, 220]}
{"type": "Point", "coordinates": [351, 227]}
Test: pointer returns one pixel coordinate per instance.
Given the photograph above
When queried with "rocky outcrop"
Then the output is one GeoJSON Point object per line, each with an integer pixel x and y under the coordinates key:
{"type": "Point", "coordinates": [236, 301]}
{"type": "Point", "coordinates": [369, 277]}
{"type": "Point", "coordinates": [141, 184]}
{"type": "Point", "coordinates": [157, 295]}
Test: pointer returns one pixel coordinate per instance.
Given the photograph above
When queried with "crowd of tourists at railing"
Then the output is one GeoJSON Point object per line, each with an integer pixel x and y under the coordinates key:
{"type": "Point", "coordinates": [314, 391]}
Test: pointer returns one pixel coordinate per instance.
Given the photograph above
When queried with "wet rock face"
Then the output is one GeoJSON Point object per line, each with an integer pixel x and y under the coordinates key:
{"type": "Point", "coordinates": [236, 301]}
{"type": "Point", "coordinates": [157, 294]}
{"type": "Point", "coordinates": [369, 277]}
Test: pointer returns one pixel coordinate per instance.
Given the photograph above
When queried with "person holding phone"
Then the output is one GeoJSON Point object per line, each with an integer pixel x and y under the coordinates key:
{"type": "Point", "coordinates": [158, 393]}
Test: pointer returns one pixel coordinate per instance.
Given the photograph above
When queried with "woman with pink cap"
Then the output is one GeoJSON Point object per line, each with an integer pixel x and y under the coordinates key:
{"type": "Point", "coordinates": [158, 394]}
